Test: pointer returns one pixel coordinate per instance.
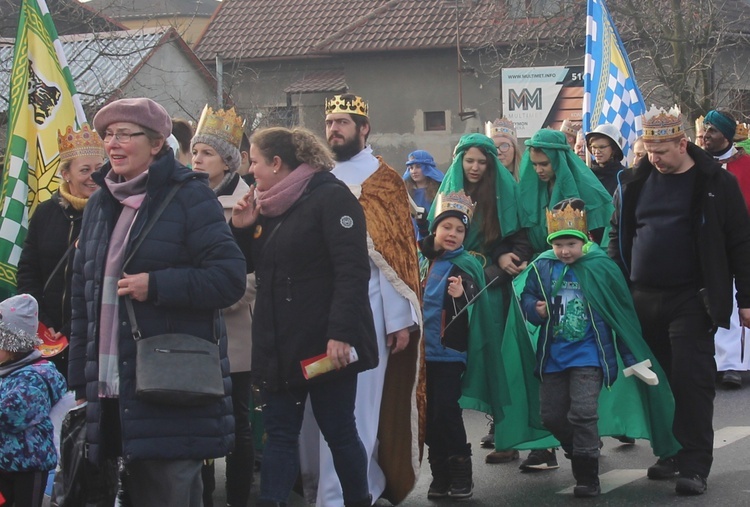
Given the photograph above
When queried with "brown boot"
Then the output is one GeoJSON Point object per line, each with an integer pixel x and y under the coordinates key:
{"type": "Point", "coordinates": [501, 456]}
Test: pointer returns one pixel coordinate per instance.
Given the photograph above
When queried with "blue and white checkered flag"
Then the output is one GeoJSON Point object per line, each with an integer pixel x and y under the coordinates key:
{"type": "Point", "coordinates": [610, 93]}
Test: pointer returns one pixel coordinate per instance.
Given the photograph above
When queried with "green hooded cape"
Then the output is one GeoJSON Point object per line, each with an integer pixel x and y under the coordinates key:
{"type": "Point", "coordinates": [484, 387]}
{"type": "Point", "coordinates": [506, 191]}
{"type": "Point", "coordinates": [572, 179]}
{"type": "Point", "coordinates": [630, 407]}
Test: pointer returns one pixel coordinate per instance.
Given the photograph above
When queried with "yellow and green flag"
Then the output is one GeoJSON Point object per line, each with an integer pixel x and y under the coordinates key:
{"type": "Point", "coordinates": [43, 100]}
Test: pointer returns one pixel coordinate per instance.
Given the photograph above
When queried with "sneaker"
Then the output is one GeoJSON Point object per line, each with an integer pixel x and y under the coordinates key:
{"type": "Point", "coordinates": [663, 469]}
{"type": "Point", "coordinates": [625, 439]}
{"type": "Point", "coordinates": [488, 441]}
{"type": "Point", "coordinates": [540, 459]}
{"type": "Point", "coordinates": [731, 379]}
{"type": "Point", "coordinates": [691, 485]}
{"type": "Point", "coordinates": [502, 456]}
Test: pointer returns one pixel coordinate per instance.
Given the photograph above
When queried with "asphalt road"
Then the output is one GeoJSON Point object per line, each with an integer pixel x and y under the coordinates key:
{"type": "Point", "coordinates": [622, 470]}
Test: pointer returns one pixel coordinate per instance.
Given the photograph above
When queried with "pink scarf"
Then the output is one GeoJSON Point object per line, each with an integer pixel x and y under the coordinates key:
{"type": "Point", "coordinates": [280, 197]}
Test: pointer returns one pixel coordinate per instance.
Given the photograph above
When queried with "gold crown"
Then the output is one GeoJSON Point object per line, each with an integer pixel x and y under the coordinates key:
{"type": "Point", "coordinates": [223, 124]}
{"type": "Point", "coordinates": [83, 143]}
{"type": "Point", "coordinates": [741, 132]}
{"type": "Point", "coordinates": [567, 219]}
{"type": "Point", "coordinates": [571, 127]}
{"type": "Point", "coordinates": [660, 125]}
{"type": "Point", "coordinates": [455, 201]}
{"type": "Point", "coordinates": [699, 123]}
{"type": "Point", "coordinates": [500, 127]}
{"type": "Point", "coordinates": [348, 104]}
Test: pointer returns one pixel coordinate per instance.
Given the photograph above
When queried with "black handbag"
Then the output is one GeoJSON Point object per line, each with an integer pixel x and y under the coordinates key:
{"type": "Point", "coordinates": [174, 368]}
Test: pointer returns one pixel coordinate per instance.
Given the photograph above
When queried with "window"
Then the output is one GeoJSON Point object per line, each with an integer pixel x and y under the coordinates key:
{"type": "Point", "coordinates": [434, 121]}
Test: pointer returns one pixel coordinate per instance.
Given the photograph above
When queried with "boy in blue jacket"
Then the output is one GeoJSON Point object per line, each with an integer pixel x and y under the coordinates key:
{"type": "Point", "coordinates": [29, 387]}
{"type": "Point", "coordinates": [576, 351]}
{"type": "Point", "coordinates": [450, 285]}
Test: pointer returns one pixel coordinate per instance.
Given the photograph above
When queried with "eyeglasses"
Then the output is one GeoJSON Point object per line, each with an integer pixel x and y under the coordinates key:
{"type": "Point", "coordinates": [594, 149]}
{"type": "Point", "coordinates": [122, 137]}
{"type": "Point", "coordinates": [503, 147]}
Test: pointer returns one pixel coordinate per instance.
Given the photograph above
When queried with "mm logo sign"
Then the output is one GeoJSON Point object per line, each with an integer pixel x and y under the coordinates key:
{"type": "Point", "coordinates": [525, 100]}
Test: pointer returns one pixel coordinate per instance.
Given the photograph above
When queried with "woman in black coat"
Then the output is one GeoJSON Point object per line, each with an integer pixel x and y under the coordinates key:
{"type": "Point", "coordinates": [45, 269]}
{"type": "Point", "coordinates": [306, 240]}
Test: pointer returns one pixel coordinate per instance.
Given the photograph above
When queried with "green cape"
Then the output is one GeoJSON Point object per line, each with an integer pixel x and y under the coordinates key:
{"type": "Point", "coordinates": [506, 191]}
{"type": "Point", "coordinates": [629, 407]}
{"type": "Point", "coordinates": [572, 179]}
{"type": "Point", "coordinates": [484, 387]}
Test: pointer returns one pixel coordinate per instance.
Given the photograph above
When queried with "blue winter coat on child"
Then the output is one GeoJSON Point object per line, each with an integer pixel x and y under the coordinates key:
{"type": "Point", "coordinates": [28, 390]}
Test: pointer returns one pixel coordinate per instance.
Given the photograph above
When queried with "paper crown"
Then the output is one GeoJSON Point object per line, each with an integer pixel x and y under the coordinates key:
{"type": "Point", "coordinates": [660, 125]}
{"type": "Point", "coordinates": [571, 127]}
{"type": "Point", "coordinates": [455, 201]}
{"type": "Point", "coordinates": [567, 218]}
{"type": "Point", "coordinates": [500, 127]}
{"type": "Point", "coordinates": [699, 121]}
{"type": "Point", "coordinates": [741, 132]}
{"type": "Point", "coordinates": [83, 143]}
{"type": "Point", "coordinates": [222, 124]}
{"type": "Point", "coordinates": [348, 104]}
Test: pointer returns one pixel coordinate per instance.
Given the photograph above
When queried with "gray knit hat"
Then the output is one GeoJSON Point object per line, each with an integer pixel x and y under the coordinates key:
{"type": "Point", "coordinates": [19, 320]}
{"type": "Point", "coordinates": [229, 153]}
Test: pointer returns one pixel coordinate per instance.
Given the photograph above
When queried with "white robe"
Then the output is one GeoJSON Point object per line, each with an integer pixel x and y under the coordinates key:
{"type": "Point", "coordinates": [391, 312]}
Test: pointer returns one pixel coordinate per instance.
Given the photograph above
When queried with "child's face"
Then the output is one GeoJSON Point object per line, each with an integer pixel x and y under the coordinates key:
{"type": "Point", "coordinates": [449, 234]}
{"type": "Point", "coordinates": [568, 249]}
{"type": "Point", "coordinates": [4, 356]}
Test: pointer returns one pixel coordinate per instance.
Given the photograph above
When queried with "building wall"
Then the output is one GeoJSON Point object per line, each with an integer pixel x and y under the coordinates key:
{"type": "Point", "coordinates": [400, 88]}
{"type": "Point", "coordinates": [172, 80]}
{"type": "Point", "coordinates": [189, 28]}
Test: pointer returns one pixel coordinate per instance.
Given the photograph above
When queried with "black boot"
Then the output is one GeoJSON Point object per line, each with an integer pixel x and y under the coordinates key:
{"type": "Point", "coordinates": [441, 477]}
{"type": "Point", "coordinates": [462, 484]}
{"type": "Point", "coordinates": [240, 464]}
{"type": "Point", "coordinates": [586, 473]}
{"type": "Point", "coordinates": [209, 482]}
{"type": "Point", "coordinates": [270, 503]}
{"type": "Point", "coordinates": [365, 502]}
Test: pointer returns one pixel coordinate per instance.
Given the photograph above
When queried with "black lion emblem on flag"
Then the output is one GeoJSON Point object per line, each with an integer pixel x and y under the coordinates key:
{"type": "Point", "coordinates": [42, 96]}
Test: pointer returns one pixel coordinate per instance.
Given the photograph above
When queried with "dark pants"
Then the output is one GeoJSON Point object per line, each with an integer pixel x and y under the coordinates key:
{"type": "Point", "coordinates": [680, 333]}
{"type": "Point", "coordinates": [240, 461]}
{"type": "Point", "coordinates": [23, 489]}
{"type": "Point", "coordinates": [445, 432]}
{"type": "Point", "coordinates": [569, 403]}
{"type": "Point", "coordinates": [333, 406]}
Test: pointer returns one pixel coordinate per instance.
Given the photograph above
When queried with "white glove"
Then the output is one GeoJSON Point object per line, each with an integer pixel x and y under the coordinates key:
{"type": "Point", "coordinates": [643, 371]}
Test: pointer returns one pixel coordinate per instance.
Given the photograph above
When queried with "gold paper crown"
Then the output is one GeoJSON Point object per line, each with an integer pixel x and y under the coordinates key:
{"type": "Point", "coordinates": [500, 127]}
{"type": "Point", "coordinates": [348, 104]}
{"type": "Point", "coordinates": [741, 132]}
{"type": "Point", "coordinates": [567, 219]}
{"type": "Point", "coordinates": [699, 123]}
{"type": "Point", "coordinates": [455, 201]}
{"type": "Point", "coordinates": [223, 124]}
{"type": "Point", "coordinates": [83, 143]}
{"type": "Point", "coordinates": [571, 127]}
{"type": "Point", "coordinates": [660, 125]}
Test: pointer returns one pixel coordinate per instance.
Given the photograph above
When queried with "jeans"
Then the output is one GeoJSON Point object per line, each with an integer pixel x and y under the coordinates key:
{"type": "Point", "coordinates": [333, 406]}
{"type": "Point", "coordinates": [680, 333]}
{"type": "Point", "coordinates": [569, 402]}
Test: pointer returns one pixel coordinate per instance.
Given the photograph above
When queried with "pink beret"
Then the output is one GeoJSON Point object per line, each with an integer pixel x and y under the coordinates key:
{"type": "Point", "coordinates": [141, 111]}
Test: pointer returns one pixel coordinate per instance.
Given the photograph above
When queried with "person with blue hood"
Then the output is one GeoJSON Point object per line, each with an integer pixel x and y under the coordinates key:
{"type": "Point", "coordinates": [422, 179]}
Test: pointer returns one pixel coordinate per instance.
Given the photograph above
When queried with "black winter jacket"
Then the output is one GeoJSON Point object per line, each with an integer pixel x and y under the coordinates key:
{"type": "Point", "coordinates": [721, 230]}
{"type": "Point", "coordinates": [54, 226]}
{"type": "Point", "coordinates": [195, 268]}
{"type": "Point", "coordinates": [313, 278]}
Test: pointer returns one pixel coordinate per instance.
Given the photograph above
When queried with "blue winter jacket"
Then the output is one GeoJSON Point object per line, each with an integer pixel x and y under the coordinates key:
{"type": "Point", "coordinates": [195, 268]}
{"type": "Point", "coordinates": [538, 288]}
{"type": "Point", "coordinates": [26, 396]}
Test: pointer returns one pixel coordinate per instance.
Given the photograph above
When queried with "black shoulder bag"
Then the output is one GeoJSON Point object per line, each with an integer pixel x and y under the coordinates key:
{"type": "Point", "coordinates": [174, 368]}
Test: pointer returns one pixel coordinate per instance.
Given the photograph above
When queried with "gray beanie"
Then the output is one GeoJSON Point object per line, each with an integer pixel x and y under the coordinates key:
{"type": "Point", "coordinates": [228, 152]}
{"type": "Point", "coordinates": [19, 320]}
